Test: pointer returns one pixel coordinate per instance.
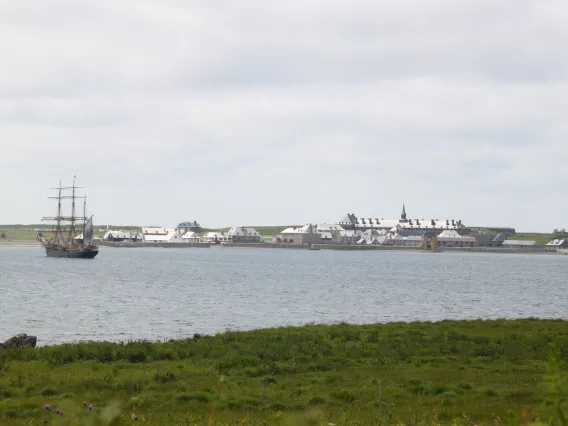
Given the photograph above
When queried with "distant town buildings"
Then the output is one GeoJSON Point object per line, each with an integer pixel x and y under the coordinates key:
{"type": "Point", "coordinates": [244, 234]}
{"type": "Point", "coordinates": [183, 235]}
{"type": "Point", "coordinates": [352, 222]}
{"type": "Point", "coordinates": [557, 244]}
{"type": "Point", "coordinates": [316, 234]}
{"type": "Point", "coordinates": [152, 235]}
{"type": "Point", "coordinates": [119, 236]}
{"type": "Point", "coordinates": [404, 232]}
{"type": "Point", "coordinates": [216, 237]}
{"type": "Point", "coordinates": [304, 235]}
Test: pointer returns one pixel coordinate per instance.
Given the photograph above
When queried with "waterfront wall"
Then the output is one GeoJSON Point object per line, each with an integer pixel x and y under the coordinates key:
{"type": "Point", "coordinates": [266, 245]}
{"type": "Point", "coordinates": [440, 249]}
{"type": "Point", "coordinates": [537, 250]}
{"type": "Point", "coordinates": [161, 245]}
{"type": "Point", "coordinates": [359, 247]}
{"type": "Point", "coordinates": [365, 247]}
{"type": "Point", "coordinates": [344, 247]}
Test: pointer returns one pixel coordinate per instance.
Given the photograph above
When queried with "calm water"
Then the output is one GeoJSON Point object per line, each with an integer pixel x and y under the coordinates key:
{"type": "Point", "coordinates": [148, 293]}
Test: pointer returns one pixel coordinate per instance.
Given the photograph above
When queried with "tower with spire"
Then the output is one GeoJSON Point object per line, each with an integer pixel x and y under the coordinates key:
{"type": "Point", "coordinates": [403, 214]}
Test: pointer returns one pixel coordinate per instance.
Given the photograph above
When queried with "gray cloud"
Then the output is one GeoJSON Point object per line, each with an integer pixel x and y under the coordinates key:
{"type": "Point", "coordinates": [265, 112]}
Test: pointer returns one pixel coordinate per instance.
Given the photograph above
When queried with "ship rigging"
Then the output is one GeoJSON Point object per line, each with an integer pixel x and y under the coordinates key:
{"type": "Point", "coordinates": [66, 242]}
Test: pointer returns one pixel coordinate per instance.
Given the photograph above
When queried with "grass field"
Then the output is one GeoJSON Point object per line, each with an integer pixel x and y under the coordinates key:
{"type": "Point", "coordinates": [450, 372]}
{"type": "Point", "coordinates": [531, 236]}
{"type": "Point", "coordinates": [27, 232]}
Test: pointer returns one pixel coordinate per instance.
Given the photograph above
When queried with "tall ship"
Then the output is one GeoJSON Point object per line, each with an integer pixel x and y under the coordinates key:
{"type": "Point", "coordinates": [73, 235]}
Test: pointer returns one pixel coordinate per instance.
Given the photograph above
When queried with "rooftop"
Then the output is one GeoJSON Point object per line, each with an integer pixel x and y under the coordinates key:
{"type": "Point", "coordinates": [520, 243]}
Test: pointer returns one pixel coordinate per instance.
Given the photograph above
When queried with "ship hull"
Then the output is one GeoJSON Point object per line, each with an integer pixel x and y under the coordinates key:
{"type": "Point", "coordinates": [74, 254]}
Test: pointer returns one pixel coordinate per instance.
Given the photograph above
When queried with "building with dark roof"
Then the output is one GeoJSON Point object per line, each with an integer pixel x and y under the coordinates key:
{"type": "Point", "coordinates": [488, 240]}
{"type": "Point", "coordinates": [521, 244]}
{"type": "Point", "coordinates": [189, 226]}
{"type": "Point", "coordinates": [352, 222]}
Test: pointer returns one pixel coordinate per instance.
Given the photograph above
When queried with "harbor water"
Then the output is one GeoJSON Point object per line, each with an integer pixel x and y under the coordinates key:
{"type": "Point", "coordinates": [154, 293]}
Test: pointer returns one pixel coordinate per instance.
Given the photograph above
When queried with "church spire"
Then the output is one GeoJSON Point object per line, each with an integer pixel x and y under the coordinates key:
{"type": "Point", "coordinates": [403, 214]}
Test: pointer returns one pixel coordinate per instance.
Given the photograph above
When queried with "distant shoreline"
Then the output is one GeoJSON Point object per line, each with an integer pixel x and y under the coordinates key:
{"type": "Point", "coordinates": [326, 247]}
{"type": "Point", "coordinates": [20, 244]}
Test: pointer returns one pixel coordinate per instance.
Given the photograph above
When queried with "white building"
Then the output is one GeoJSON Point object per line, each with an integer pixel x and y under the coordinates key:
{"type": "Point", "coordinates": [352, 222]}
{"type": "Point", "coordinates": [330, 232]}
{"type": "Point", "coordinates": [452, 238]}
{"type": "Point", "coordinates": [128, 235]}
{"type": "Point", "coordinates": [161, 235]}
{"type": "Point", "coordinates": [557, 244]}
{"type": "Point", "coordinates": [80, 238]}
{"type": "Point", "coordinates": [216, 237]}
{"type": "Point", "coordinates": [190, 237]}
{"type": "Point", "coordinates": [304, 235]}
{"type": "Point", "coordinates": [244, 234]}
{"type": "Point", "coordinates": [317, 234]}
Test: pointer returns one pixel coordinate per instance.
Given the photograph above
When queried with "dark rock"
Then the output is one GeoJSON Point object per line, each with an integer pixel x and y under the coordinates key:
{"type": "Point", "coordinates": [21, 340]}
{"type": "Point", "coordinates": [16, 341]}
{"type": "Point", "coordinates": [30, 342]}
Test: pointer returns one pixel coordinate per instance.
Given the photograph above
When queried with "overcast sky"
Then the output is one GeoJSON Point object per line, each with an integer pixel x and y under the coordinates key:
{"type": "Point", "coordinates": [263, 112]}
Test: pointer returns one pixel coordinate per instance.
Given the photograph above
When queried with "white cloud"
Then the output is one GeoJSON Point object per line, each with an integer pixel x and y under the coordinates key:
{"type": "Point", "coordinates": [279, 113]}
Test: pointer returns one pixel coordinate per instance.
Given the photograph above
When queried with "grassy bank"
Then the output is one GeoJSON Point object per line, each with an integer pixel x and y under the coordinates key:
{"type": "Point", "coordinates": [532, 236]}
{"type": "Point", "coordinates": [467, 372]}
{"type": "Point", "coordinates": [28, 232]}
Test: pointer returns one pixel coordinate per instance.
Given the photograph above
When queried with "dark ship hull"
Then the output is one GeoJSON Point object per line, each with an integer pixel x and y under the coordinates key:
{"type": "Point", "coordinates": [85, 253]}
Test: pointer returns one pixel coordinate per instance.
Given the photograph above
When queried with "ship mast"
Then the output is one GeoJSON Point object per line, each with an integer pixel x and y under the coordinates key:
{"type": "Point", "coordinates": [84, 220]}
{"type": "Point", "coordinates": [58, 232]}
{"type": "Point", "coordinates": [72, 226]}
{"type": "Point", "coordinates": [59, 238]}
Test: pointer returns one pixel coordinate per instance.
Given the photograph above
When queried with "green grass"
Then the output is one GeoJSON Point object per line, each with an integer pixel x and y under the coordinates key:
{"type": "Point", "coordinates": [450, 372]}
{"type": "Point", "coordinates": [271, 230]}
{"type": "Point", "coordinates": [25, 232]}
